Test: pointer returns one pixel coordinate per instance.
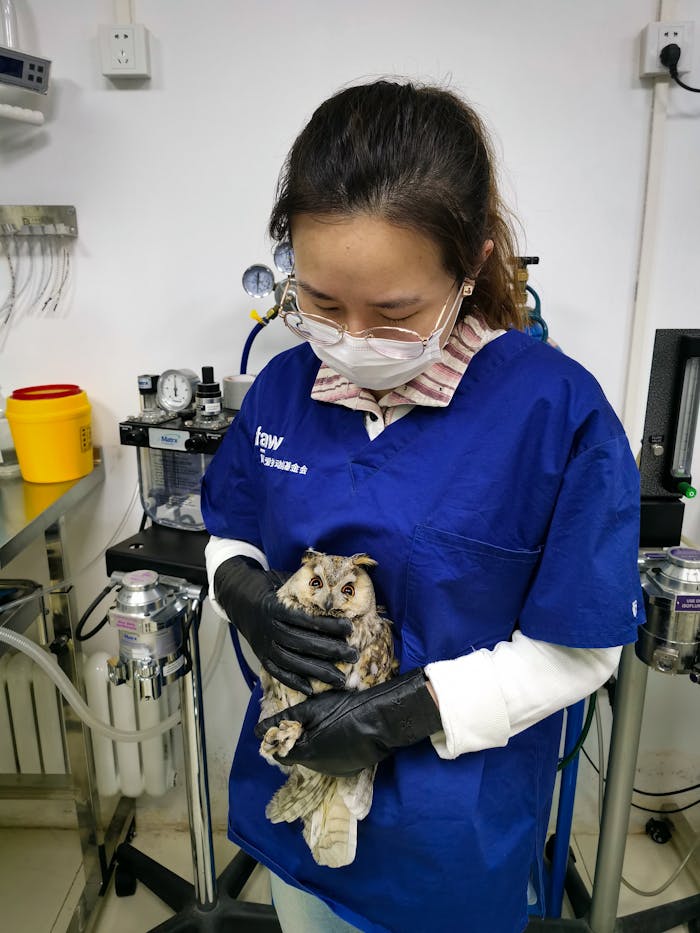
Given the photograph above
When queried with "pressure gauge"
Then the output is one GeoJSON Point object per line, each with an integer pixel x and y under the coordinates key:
{"type": "Point", "coordinates": [258, 281]}
{"type": "Point", "coordinates": [176, 389]}
{"type": "Point", "coordinates": [284, 257]}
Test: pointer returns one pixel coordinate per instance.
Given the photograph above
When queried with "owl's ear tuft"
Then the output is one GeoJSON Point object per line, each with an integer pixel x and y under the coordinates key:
{"type": "Point", "coordinates": [310, 556]}
{"type": "Point", "coordinates": [363, 560]}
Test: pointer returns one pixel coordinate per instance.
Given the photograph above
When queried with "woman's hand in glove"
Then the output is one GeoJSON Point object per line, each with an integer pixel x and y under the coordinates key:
{"type": "Point", "coordinates": [291, 645]}
{"type": "Point", "coordinates": [346, 731]}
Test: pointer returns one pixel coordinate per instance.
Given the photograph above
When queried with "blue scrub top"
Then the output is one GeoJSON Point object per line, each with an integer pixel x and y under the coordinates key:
{"type": "Point", "coordinates": [516, 506]}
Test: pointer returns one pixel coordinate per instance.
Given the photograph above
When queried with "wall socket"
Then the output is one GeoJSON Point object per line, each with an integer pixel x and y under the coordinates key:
{"type": "Point", "coordinates": [657, 35]}
{"type": "Point", "coordinates": [124, 51]}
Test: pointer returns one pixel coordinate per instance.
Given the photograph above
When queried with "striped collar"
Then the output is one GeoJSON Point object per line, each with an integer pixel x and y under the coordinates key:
{"type": "Point", "coordinates": [433, 388]}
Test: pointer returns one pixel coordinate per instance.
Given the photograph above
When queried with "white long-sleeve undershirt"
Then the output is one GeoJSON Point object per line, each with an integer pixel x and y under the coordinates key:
{"type": "Point", "coordinates": [493, 694]}
{"type": "Point", "coordinates": [489, 695]}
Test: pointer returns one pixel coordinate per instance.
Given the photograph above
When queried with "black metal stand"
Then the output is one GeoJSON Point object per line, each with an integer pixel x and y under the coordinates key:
{"type": "Point", "coordinates": [210, 904]}
{"type": "Point", "coordinates": [226, 914]}
{"type": "Point", "coordinates": [655, 920]}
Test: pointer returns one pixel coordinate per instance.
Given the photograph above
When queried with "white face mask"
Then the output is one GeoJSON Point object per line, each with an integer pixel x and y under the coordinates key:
{"type": "Point", "coordinates": [359, 358]}
{"type": "Point", "coordinates": [355, 359]}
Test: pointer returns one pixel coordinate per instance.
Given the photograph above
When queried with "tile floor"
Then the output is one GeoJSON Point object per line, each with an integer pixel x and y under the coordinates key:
{"type": "Point", "coordinates": [48, 861]}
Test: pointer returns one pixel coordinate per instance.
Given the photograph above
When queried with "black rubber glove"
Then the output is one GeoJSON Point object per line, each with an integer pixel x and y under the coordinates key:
{"type": "Point", "coordinates": [346, 731]}
{"type": "Point", "coordinates": [291, 645]}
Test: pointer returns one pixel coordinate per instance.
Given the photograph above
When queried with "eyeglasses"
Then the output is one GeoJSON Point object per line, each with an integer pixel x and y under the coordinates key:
{"type": "Point", "coordinates": [396, 343]}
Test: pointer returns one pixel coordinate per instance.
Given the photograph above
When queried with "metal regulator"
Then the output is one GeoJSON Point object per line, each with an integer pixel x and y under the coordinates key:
{"type": "Point", "coordinates": [669, 640]}
{"type": "Point", "coordinates": [152, 615]}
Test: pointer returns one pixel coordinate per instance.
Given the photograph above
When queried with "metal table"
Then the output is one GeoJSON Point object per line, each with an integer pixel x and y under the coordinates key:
{"type": "Point", "coordinates": [28, 512]}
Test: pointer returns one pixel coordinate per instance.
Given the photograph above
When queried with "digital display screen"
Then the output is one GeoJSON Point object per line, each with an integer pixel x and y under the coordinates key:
{"type": "Point", "coordinates": [11, 66]}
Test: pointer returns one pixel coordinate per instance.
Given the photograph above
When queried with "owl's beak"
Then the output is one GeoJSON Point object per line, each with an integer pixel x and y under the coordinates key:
{"type": "Point", "coordinates": [328, 603]}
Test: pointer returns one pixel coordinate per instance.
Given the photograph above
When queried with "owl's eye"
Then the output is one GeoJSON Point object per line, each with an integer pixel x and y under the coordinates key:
{"type": "Point", "coordinates": [316, 582]}
{"type": "Point", "coordinates": [348, 590]}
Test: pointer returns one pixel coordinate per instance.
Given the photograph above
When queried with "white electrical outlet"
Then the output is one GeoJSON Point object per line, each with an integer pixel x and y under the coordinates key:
{"type": "Point", "coordinates": [657, 35]}
{"type": "Point", "coordinates": [124, 51]}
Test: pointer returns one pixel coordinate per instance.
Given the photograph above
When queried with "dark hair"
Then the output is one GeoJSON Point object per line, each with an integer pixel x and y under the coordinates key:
{"type": "Point", "coordinates": [419, 157]}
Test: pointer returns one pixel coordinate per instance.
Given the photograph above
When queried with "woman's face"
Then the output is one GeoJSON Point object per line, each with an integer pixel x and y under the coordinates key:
{"type": "Point", "coordinates": [362, 271]}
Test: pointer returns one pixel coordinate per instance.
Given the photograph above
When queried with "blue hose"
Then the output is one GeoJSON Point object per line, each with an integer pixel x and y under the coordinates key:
{"type": "Point", "coordinates": [248, 344]}
{"type": "Point", "coordinates": [565, 813]}
{"type": "Point", "coordinates": [250, 678]}
{"type": "Point", "coordinates": [537, 326]}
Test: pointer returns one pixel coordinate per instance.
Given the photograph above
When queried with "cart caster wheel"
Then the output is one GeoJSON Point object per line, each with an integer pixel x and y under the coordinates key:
{"type": "Point", "coordinates": [124, 882]}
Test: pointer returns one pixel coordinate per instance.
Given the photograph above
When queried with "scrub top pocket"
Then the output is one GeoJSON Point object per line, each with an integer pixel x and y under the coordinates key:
{"type": "Point", "coordinates": [461, 595]}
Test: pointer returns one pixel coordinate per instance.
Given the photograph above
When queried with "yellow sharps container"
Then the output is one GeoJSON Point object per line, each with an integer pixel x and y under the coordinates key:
{"type": "Point", "coordinates": [51, 428]}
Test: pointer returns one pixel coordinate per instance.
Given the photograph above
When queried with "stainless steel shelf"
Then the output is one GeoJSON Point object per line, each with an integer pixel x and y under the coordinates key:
{"type": "Point", "coordinates": [31, 512]}
{"type": "Point", "coordinates": [28, 509]}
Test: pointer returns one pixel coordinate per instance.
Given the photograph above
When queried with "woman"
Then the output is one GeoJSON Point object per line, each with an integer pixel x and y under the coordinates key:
{"type": "Point", "coordinates": [487, 475]}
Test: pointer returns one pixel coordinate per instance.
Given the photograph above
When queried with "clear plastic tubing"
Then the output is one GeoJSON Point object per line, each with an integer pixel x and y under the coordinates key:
{"type": "Point", "coordinates": [40, 657]}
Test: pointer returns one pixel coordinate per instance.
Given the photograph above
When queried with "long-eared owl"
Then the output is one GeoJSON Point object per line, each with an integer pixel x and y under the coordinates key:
{"type": "Point", "coordinates": [328, 806]}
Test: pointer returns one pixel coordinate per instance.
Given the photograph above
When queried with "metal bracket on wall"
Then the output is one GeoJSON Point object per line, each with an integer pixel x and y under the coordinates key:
{"type": "Point", "coordinates": [34, 220]}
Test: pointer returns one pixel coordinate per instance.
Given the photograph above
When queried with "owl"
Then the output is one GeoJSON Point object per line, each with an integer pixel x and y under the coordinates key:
{"type": "Point", "coordinates": [328, 806]}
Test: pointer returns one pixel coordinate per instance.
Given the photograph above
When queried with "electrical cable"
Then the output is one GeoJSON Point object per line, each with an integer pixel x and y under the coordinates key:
{"type": "Point", "coordinates": [113, 538]}
{"type": "Point", "coordinates": [46, 271]}
{"type": "Point", "coordinates": [688, 806]}
{"type": "Point", "coordinates": [37, 260]}
{"type": "Point", "coordinates": [65, 272]}
{"type": "Point", "coordinates": [55, 274]}
{"type": "Point", "coordinates": [649, 793]}
{"type": "Point", "coordinates": [193, 617]}
{"type": "Point", "coordinates": [669, 56]}
{"type": "Point", "coordinates": [601, 761]}
{"type": "Point", "coordinates": [582, 737]}
{"type": "Point", "coordinates": [670, 881]}
{"type": "Point", "coordinates": [10, 300]}
{"type": "Point", "coordinates": [23, 271]}
{"type": "Point", "coordinates": [88, 612]}
{"type": "Point", "coordinates": [601, 782]}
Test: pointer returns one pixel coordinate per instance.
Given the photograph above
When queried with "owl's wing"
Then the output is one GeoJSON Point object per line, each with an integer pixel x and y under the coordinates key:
{"type": "Point", "coordinates": [276, 696]}
{"type": "Point", "coordinates": [357, 791]}
{"type": "Point", "coordinates": [304, 791]}
{"type": "Point", "coordinates": [331, 831]}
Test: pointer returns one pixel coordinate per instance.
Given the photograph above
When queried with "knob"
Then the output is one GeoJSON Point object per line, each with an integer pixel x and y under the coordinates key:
{"type": "Point", "coordinates": [134, 435]}
{"type": "Point", "coordinates": [196, 443]}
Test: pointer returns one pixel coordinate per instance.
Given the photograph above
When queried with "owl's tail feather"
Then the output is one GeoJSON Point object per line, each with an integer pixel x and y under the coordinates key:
{"type": "Point", "coordinates": [301, 795]}
{"type": "Point", "coordinates": [331, 832]}
{"type": "Point", "coordinates": [357, 791]}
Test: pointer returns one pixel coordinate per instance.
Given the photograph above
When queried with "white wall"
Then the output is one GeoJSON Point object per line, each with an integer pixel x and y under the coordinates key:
{"type": "Point", "coordinates": [173, 180]}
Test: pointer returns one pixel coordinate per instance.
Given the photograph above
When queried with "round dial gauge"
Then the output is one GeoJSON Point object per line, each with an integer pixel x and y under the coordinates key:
{"type": "Point", "coordinates": [258, 281]}
{"type": "Point", "coordinates": [284, 257]}
{"type": "Point", "coordinates": [176, 389]}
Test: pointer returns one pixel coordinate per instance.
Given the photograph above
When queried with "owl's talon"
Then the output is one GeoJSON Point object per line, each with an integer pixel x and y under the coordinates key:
{"type": "Point", "coordinates": [279, 740]}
